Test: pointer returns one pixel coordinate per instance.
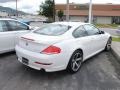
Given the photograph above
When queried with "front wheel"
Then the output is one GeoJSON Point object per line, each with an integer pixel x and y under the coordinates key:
{"type": "Point", "coordinates": [108, 45]}
{"type": "Point", "coordinates": [75, 61]}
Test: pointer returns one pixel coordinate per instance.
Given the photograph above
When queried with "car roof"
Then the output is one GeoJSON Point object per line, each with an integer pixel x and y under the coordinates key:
{"type": "Point", "coordinates": [6, 19]}
{"type": "Point", "coordinates": [70, 23]}
{"type": "Point", "coordinates": [13, 20]}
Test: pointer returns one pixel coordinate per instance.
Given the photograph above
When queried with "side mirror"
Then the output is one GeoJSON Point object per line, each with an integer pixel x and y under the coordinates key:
{"type": "Point", "coordinates": [101, 32]}
{"type": "Point", "coordinates": [28, 28]}
{"type": "Point", "coordinates": [33, 28]}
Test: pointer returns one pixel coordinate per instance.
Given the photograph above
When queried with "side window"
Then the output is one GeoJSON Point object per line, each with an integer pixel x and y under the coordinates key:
{"type": "Point", "coordinates": [91, 30]}
{"type": "Point", "coordinates": [16, 26]}
{"type": "Point", "coordinates": [79, 32]}
{"type": "Point", "coordinates": [3, 26]}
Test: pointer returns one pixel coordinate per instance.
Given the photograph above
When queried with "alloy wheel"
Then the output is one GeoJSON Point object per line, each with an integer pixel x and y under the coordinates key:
{"type": "Point", "coordinates": [76, 61]}
{"type": "Point", "coordinates": [108, 46]}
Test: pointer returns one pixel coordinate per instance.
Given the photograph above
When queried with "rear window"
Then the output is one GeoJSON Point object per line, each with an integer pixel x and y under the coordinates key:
{"type": "Point", "coordinates": [52, 29]}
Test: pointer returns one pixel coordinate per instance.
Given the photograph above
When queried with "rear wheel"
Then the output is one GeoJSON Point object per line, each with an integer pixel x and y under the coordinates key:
{"type": "Point", "coordinates": [75, 61]}
{"type": "Point", "coordinates": [108, 45]}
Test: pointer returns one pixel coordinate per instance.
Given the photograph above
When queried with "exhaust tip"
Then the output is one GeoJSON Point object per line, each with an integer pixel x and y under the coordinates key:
{"type": "Point", "coordinates": [42, 70]}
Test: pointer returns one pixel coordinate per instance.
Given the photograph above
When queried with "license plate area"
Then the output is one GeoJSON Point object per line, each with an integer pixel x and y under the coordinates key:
{"type": "Point", "coordinates": [25, 61]}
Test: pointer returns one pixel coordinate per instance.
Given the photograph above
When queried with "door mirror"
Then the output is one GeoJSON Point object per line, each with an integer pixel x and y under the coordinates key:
{"type": "Point", "coordinates": [33, 28]}
{"type": "Point", "coordinates": [28, 28]}
{"type": "Point", "coordinates": [101, 32]}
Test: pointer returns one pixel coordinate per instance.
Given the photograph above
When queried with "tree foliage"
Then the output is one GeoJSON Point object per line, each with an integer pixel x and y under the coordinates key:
{"type": "Point", "coordinates": [46, 8]}
{"type": "Point", "coordinates": [60, 15]}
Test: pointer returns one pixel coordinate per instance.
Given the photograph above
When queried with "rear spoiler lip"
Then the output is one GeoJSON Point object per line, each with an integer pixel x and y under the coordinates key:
{"type": "Point", "coordinates": [27, 39]}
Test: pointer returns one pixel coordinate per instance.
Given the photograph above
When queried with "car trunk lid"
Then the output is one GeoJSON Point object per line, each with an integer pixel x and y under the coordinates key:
{"type": "Point", "coordinates": [37, 43]}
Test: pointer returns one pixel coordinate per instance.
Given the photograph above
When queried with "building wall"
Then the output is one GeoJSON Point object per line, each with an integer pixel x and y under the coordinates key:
{"type": "Point", "coordinates": [104, 20]}
{"type": "Point", "coordinates": [3, 14]}
{"type": "Point", "coordinates": [98, 7]}
{"type": "Point", "coordinates": [97, 19]}
{"type": "Point", "coordinates": [102, 13]}
{"type": "Point", "coordinates": [73, 18]}
{"type": "Point", "coordinates": [77, 18]}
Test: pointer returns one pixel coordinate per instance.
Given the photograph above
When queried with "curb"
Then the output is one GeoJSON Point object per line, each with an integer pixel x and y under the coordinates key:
{"type": "Point", "coordinates": [117, 56]}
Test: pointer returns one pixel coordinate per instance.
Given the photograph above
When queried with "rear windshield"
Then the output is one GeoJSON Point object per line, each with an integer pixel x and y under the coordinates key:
{"type": "Point", "coordinates": [53, 29]}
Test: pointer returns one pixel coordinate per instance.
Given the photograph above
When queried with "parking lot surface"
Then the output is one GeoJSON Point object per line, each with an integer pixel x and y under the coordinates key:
{"type": "Point", "coordinates": [113, 32]}
{"type": "Point", "coordinates": [100, 72]}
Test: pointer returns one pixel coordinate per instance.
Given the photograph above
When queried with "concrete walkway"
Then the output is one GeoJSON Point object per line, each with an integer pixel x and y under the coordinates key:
{"type": "Point", "coordinates": [116, 50]}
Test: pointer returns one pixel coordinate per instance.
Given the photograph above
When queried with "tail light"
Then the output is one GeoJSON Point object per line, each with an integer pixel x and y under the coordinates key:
{"type": "Point", "coordinates": [51, 50]}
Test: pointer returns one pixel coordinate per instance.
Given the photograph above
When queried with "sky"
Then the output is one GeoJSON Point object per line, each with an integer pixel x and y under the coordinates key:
{"type": "Point", "coordinates": [32, 6]}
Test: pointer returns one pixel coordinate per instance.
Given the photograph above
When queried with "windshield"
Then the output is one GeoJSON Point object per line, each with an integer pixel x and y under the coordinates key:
{"type": "Point", "coordinates": [52, 29]}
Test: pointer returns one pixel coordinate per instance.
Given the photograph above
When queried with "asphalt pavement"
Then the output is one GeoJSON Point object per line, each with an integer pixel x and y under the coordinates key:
{"type": "Point", "coordinates": [101, 72]}
{"type": "Point", "coordinates": [113, 32]}
{"type": "Point", "coordinates": [116, 50]}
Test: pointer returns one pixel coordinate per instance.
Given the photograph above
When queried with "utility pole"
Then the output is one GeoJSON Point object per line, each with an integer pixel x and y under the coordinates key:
{"type": "Point", "coordinates": [54, 10]}
{"type": "Point", "coordinates": [90, 11]}
{"type": "Point", "coordinates": [16, 9]}
{"type": "Point", "coordinates": [67, 11]}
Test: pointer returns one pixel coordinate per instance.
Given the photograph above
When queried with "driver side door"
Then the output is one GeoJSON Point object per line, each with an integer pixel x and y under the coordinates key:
{"type": "Point", "coordinates": [18, 29]}
{"type": "Point", "coordinates": [6, 38]}
{"type": "Point", "coordinates": [97, 39]}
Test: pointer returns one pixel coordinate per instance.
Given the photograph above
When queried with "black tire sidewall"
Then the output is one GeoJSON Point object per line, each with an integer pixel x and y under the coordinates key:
{"type": "Point", "coordinates": [106, 48]}
{"type": "Point", "coordinates": [69, 68]}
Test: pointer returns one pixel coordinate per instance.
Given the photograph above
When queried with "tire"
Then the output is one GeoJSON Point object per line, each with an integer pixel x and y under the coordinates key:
{"type": "Point", "coordinates": [108, 45]}
{"type": "Point", "coordinates": [75, 62]}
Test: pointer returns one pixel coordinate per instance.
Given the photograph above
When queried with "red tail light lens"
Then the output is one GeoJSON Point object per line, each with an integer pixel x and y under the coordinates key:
{"type": "Point", "coordinates": [51, 50]}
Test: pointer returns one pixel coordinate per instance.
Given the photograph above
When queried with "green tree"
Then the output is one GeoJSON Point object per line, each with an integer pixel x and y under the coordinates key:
{"type": "Point", "coordinates": [60, 15]}
{"type": "Point", "coordinates": [47, 9]}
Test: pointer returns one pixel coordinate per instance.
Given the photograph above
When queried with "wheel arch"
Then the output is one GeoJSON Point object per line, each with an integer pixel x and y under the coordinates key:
{"type": "Point", "coordinates": [76, 50]}
{"type": "Point", "coordinates": [68, 65]}
{"type": "Point", "coordinates": [79, 49]}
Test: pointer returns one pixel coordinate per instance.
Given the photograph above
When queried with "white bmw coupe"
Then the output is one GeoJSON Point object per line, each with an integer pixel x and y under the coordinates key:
{"type": "Point", "coordinates": [61, 45]}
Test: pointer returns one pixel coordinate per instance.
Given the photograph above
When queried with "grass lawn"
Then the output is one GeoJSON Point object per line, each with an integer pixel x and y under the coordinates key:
{"type": "Point", "coordinates": [117, 39]}
{"type": "Point", "coordinates": [115, 26]}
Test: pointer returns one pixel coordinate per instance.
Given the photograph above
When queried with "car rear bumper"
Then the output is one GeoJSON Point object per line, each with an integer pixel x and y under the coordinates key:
{"type": "Point", "coordinates": [40, 61]}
